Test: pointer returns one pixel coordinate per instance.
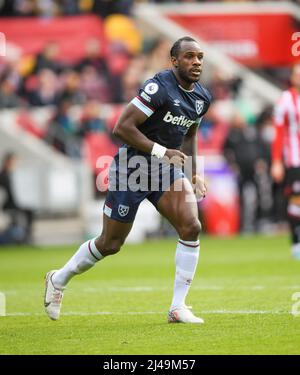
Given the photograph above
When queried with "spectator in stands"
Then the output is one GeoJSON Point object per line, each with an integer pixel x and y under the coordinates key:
{"type": "Point", "coordinates": [47, 8]}
{"type": "Point", "coordinates": [48, 59]}
{"type": "Point", "coordinates": [243, 150]}
{"type": "Point", "coordinates": [118, 61]}
{"type": "Point", "coordinates": [277, 211]}
{"type": "Point", "coordinates": [104, 8]}
{"type": "Point", "coordinates": [21, 218]}
{"type": "Point", "coordinates": [212, 133]}
{"type": "Point", "coordinates": [131, 78]}
{"type": "Point", "coordinates": [62, 131]}
{"type": "Point", "coordinates": [94, 56]}
{"type": "Point", "coordinates": [94, 86]}
{"type": "Point", "coordinates": [267, 210]}
{"type": "Point", "coordinates": [223, 86]}
{"type": "Point", "coordinates": [71, 88]}
{"type": "Point", "coordinates": [91, 120]}
{"type": "Point", "coordinates": [24, 8]}
{"type": "Point", "coordinates": [266, 131]}
{"type": "Point", "coordinates": [8, 96]}
{"type": "Point", "coordinates": [157, 57]}
{"type": "Point", "coordinates": [43, 8]}
{"type": "Point", "coordinates": [69, 7]}
{"type": "Point", "coordinates": [47, 91]}
{"type": "Point", "coordinates": [7, 8]}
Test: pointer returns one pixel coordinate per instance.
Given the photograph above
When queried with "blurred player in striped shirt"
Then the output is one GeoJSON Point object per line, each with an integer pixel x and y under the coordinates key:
{"type": "Point", "coordinates": [286, 153]}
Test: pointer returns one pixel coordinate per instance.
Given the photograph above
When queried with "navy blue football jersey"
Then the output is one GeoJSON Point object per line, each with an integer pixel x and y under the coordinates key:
{"type": "Point", "coordinates": [170, 108]}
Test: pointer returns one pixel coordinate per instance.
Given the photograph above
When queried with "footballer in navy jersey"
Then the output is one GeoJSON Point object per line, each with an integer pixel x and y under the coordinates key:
{"type": "Point", "coordinates": [159, 130]}
{"type": "Point", "coordinates": [171, 111]}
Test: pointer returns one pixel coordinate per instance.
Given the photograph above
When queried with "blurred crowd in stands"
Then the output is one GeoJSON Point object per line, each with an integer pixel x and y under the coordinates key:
{"type": "Point", "coordinates": [43, 81]}
{"type": "Point", "coordinates": [52, 8]}
{"type": "Point", "coordinates": [95, 81]}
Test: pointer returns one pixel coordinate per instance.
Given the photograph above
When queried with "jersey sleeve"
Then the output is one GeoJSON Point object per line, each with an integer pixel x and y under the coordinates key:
{"type": "Point", "coordinates": [206, 103]}
{"type": "Point", "coordinates": [152, 96]}
{"type": "Point", "coordinates": [205, 108]}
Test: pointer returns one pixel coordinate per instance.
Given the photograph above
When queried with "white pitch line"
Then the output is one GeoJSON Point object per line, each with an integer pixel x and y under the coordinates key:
{"type": "Point", "coordinates": [137, 289]}
{"type": "Point", "coordinates": [246, 312]}
{"type": "Point", "coordinates": [217, 312]}
{"type": "Point", "coordinates": [195, 287]}
{"type": "Point", "coordinates": [142, 289]}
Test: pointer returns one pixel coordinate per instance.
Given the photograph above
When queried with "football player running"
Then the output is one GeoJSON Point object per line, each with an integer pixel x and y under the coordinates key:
{"type": "Point", "coordinates": [158, 126]}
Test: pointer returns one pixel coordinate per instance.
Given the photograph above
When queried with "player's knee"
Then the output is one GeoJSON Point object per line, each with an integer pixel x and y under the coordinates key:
{"type": "Point", "coordinates": [109, 246]}
{"type": "Point", "coordinates": [190, 230]}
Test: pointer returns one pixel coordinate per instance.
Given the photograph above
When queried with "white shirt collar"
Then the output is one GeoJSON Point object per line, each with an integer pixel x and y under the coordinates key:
{"type": "Point", "coordinates": [186, 89]}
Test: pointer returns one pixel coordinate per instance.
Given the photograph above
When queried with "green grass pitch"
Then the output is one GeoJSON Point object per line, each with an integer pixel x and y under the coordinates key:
{"type": "Point", "coordinates": [243, 289]}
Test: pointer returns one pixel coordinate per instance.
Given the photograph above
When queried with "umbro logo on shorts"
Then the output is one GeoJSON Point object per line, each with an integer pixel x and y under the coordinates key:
{"type": "Point", "coordinates": [123, 210]}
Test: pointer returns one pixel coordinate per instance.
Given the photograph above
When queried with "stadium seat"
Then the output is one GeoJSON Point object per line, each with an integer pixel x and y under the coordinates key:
{"type": "Point", "coordinates": [25, 121]}
{"type": "Point", "coordinates": [120, 28]}
{"type": "Point", "coordinates": [114, 115]}
{"type": "Point", "coordinates": [97, 145]}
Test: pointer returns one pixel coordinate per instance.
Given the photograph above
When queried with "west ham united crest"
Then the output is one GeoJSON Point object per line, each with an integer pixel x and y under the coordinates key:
{"type": "Point", "coordinates": [199, 106]}
{"type": "Point", "coordinates": [123, 210]}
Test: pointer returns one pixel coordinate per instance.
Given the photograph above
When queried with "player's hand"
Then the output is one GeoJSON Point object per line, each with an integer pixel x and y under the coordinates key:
{"type": "Point", "coordinates": [200, 188]}
{"type": "Point", "coordinates": [175, 157]}
{"type": "Point", "coordinates": [277, 171]}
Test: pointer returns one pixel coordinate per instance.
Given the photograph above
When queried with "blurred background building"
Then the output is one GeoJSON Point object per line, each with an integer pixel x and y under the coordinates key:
{"type": "Point", "coordinates": [71, 65]}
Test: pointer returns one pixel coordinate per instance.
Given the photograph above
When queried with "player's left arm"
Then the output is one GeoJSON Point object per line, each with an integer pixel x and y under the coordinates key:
{"type": "Point", "coordinates": [189, 147]}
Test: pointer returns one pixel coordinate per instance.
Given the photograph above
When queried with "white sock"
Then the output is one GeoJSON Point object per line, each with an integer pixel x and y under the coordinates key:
{"type": "Point", "coordinates": [296, 249]}
{"type": "Point", "coordinates": [85, 258]}
{"type": "Point", "coordinates": [186, 259]}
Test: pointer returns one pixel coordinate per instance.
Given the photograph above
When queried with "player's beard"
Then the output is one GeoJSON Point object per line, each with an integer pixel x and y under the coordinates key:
{"type": "Point", "coordinates": [183, 74]}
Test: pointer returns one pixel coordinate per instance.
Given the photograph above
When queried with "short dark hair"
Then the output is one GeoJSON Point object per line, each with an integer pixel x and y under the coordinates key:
{"type": "Point", "coordinates": [174, 52]}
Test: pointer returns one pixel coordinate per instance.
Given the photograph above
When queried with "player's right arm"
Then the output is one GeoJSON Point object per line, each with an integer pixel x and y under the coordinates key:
{"type": "Point", "coordinates": [127, 129]}
{"type": "Point", "coordinates": [133, 116]}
